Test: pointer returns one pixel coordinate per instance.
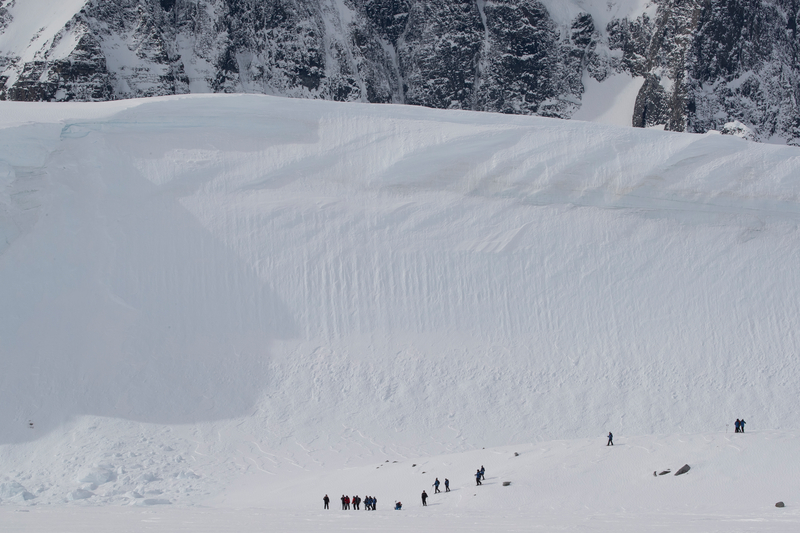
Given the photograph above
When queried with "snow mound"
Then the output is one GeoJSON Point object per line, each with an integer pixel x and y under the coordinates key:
{"type": "Point", "coordinates": [79, 494]}
{"type": "Point", "coordinates": [97, 475]}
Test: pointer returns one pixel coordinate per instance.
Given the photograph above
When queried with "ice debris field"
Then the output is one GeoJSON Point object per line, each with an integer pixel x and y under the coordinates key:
{"type": "Point", "coordinates": [217, 309]}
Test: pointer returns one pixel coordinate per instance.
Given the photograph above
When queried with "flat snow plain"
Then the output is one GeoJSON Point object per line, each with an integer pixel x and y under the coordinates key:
{"type": "Point", "coordinates": [218, 308]}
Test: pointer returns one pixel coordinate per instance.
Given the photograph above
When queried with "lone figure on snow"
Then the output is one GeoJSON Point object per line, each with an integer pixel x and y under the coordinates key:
{"type": "Point", "coordinates": [326, 500]}
{"type": "Point", "coordinates": [446, 485]}
{"type": "Point", "coordinates": [610, 439]}
{"type": "Point", "coordinates": [424, 498]}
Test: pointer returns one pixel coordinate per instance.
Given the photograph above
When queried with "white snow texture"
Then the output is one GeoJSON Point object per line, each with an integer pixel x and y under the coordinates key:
{"type": "Point", "coordinates": [207, 297]}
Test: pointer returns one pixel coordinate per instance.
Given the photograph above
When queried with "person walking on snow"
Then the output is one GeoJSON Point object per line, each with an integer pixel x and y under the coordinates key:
{"type": "Point", "coordinates": [446, 485]}
{"type": "Point", "coordinates": [737, 425]}
{"type": "Point", "coordinates": [326, 500]}
{"type": "Point", "coordinates": [436, 486]}
{"type": "Point", "coordinates": [741, 425]}
{"type": "Point", "coordinates": [424, 499]}
{"type": "Point", "coordinates": [343, 507]}
{"type": "Point", "coordinates": [610, 439]}
{"type": "Point", "coordinates": [483, 473]}
{"type": "Point", "coordinates": [478, 478]}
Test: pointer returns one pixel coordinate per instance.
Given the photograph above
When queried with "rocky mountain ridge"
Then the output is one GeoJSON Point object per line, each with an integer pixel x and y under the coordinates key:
{"type": "Point", "coordinates": [729, 65]}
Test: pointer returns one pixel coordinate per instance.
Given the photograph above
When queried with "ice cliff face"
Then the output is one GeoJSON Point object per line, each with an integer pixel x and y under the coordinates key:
{"type": "Point", "coordinates": [706, 64]}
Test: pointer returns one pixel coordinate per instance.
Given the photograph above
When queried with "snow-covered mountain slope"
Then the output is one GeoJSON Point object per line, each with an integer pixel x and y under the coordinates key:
{"type": "Point", "coordinates": [694, 66]}
{"type": "Point", "coordinates": [195, 287]}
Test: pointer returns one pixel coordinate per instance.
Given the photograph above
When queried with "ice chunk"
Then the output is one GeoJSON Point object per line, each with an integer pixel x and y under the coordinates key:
{"type": "Point", "coordinates": [79, 494]}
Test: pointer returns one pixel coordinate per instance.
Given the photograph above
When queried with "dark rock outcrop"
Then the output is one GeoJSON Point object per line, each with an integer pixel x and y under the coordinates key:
{"type": "Point", "coordinates": [683, 470]}
{"type": "Point", "coordinates": [705, 63]}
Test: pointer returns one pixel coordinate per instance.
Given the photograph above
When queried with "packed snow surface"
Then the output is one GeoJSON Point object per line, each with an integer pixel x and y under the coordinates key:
{"type": "Point", "coordinates": [247, 302]}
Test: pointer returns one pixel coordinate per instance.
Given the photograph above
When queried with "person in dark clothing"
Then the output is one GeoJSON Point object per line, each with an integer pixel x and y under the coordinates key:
{"type": "Point", "coordinates": [737, 425]}
{"type": "Point", "coordinates": [446, 485]}
{"type": "Point", "coordinates": [610, 439]}
{"type": "Point", "coordinates": [398, 506]}
{"type": "Point", "coordinates": [343, 507]}
{"type": "Point", "coordinates": [374, 502]}
{"type": "Point", "coordinates": [741, 425]}
{"type": "Point", "coordinates": [326, 500]}
{"type": "Point", "coordinates": [436, 486]}
{"type": "Point", "coordinates": [347, 502]}
{"type": "Point", "coordinates": [483, 473]}
{"type": "Point", "coordinates": [356, 501]}
{"type": "Point", "coordinates": [478, 478]}
{"type": "Point", "coordinates": [424, 498]}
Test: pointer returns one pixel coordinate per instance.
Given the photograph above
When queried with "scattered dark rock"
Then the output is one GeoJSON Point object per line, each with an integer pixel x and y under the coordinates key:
{"type": "Point", "coordinates": [507, 483]}
{"type": "Point", "coordinates": [682, 470]}
{"type": "Point", "coordinates": [664, 472]}
{"type": "Point", "coordinates": [415, 464]}
{"type": "Point", "coordinates": [516, 454]}
{"type": "Point", "coordinates": [779, 504]}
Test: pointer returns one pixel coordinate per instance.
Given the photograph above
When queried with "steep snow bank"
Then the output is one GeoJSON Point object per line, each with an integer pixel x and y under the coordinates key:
{"type": "Point", "coordinates": [324, 284]}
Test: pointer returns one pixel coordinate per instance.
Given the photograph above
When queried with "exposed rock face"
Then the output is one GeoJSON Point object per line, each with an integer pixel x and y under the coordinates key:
{"type": "Point", "coordinates": [705, 63]}
{"type": "Point", "coordinates": [712, 62]}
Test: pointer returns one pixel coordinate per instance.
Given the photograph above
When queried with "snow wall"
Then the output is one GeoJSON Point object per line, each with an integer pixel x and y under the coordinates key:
{"type": "Point", "coordinates": [337, 275]}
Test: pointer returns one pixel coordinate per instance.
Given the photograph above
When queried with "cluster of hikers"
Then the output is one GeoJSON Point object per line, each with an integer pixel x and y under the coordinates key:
{"type": "Point", "coordinates": [739, 425]}
{"type": "Point", "coordinates": [480, 475]}
{"type": "Point", "coordinates": [369, 502]}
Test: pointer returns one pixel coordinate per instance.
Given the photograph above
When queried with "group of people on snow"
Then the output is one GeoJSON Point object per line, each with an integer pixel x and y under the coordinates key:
{"type": "Point", "coordinates": [369, 502]}
{"type": "Point", "coordinates": [480, 475]}
{"type": "Point", "coordinates": [739, 425]}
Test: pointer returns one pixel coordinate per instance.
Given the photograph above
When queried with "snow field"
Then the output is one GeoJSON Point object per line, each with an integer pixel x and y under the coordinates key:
{"type": "Point", "coordinates": [241, 301]}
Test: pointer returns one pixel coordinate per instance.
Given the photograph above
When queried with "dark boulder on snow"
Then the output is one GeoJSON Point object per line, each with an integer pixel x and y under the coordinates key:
{"type": "Point", "coordinates": [506, 483]}
{"type": "Point", "coordinates": [779, 504]}
{"type": "Point", "coordinates": [665, 472]}
{"type": "Point", "coordinates": [682, 470]}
